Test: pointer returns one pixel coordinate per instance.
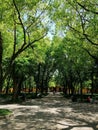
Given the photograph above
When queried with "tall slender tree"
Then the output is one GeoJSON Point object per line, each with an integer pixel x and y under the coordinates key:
{"type": "Point", "coordinates": [1, 55]}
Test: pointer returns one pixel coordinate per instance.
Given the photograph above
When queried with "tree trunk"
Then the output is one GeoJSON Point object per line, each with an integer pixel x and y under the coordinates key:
{"type": "Point", "coordinates": [37, 79]}
{"type": "Point", "coordinates": [92, 87]}
{"type": "Point", "coordinates": [65, 86]}
{"type": "Point", "coordinates": [43, 80]}
{"type": "Point", "coordinates": [7, 87]}
{"type": "Point", "coordinates": [81, 87]}
{"type": "Point", "coordinates": [17, 88]}
{"type": "Point", "coordinates": [15, 83]}
{"type": "Point", "coordinates": [1, 71]}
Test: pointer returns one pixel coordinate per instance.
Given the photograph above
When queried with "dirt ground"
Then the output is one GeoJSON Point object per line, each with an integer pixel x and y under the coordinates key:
{"type": "Point", "coordinates": [53, 112]}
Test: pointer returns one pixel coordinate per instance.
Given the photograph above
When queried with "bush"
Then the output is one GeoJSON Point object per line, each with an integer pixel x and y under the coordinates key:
{"type": "Point", "coordinates": [4, 112]}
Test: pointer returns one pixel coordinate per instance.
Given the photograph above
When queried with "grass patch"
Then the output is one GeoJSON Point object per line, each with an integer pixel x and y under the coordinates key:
{"type": "Point", "coordinates": [4, 112]}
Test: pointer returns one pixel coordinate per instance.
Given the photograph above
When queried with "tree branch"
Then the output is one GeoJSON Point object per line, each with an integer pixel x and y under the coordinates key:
{"type": "Point", "coordinates": [14, 47]}
{"type": "Point", "coordinates": [87, 8]}
{"type": "Point", "coordinates": [87, 37]}
{"type": "Point", "coordinates": [94, 57]}
{"type": "Point", "coordinates": [19, 17]}
{"type": "Point", "coordinates": [27, 46]}
{"type": "Point", "coordinates": [37, 18]}
{"type": "Point", "coordinates": [36, 40]}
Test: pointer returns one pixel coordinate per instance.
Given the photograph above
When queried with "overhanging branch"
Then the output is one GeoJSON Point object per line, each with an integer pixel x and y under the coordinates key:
{"type": "Point", "coordinates": [85, 36]}
{"type": "Point", "coordinates": [95, 12]}
{"type": "Point", "coordinates": [91, 55]}
{"type": "Point", "coordinates": [20, 20]}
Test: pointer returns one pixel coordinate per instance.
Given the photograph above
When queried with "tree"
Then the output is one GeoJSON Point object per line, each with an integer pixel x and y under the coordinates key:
{"type": "Point", "coordinates": [80, 17]}
{"type": "Point", "coordinates": [1, 55]}
{"type": "Point", "coordinates": [26, 27]}
{"type": "Point", "coordinates": [43, 64]}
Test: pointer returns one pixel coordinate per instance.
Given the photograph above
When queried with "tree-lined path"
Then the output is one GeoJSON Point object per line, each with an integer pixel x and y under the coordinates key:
{"type": "Point", "coordinates": [49, 45]}
{"type": "Point", "coordinates": [53, 112]}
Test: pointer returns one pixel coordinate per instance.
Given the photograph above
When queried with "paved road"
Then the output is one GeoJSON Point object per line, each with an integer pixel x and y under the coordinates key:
{"type": "Point", "coordinates": [53, 112]}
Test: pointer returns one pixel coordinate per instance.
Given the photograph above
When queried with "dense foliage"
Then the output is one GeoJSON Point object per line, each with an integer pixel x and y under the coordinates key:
{"type": "Point", "coordinates": [45, 42]}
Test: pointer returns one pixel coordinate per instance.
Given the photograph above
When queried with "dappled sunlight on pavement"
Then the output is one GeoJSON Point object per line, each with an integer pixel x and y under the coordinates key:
{"type": "Point", "coordinates": [52, 112]}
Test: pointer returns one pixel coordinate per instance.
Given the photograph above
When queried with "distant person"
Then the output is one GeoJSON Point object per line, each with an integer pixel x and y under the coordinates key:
{"type": "Point", "coordinates": [89, 99]}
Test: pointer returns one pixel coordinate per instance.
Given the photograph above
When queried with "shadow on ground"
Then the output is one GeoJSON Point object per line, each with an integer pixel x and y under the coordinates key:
{"type": "Point", "coordinates": [52, 113]}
